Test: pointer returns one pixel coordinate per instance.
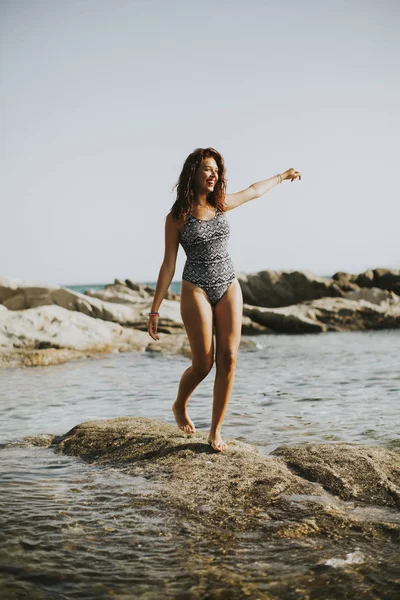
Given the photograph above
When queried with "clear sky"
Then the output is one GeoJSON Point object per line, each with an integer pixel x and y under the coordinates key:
{"type": "Point", "coordinates": [102, 101]}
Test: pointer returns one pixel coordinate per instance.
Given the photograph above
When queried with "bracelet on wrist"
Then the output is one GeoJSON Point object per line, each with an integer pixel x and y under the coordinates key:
{"type": "Point", "coordinates": [153, 313]}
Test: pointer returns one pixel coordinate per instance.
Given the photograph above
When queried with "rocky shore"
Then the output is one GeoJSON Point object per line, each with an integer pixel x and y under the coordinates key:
{"type": "Point", "coordinates": [41, 325]}
{"type": "Point", "coordinates": [301, 491]}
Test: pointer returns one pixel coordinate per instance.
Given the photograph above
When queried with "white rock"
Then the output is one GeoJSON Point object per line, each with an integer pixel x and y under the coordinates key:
{"type": "Point", "coordinates": [17, 295]}
{"type": "Point", "coordinates": [55, 326]}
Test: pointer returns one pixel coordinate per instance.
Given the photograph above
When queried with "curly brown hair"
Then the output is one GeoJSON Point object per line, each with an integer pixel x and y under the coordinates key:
{"type": "Point", "coordinates": [185, 185]}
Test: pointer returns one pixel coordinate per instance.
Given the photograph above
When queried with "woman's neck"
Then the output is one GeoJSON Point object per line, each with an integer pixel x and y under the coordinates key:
{"type": "Point", "coordinates": [201, 200]}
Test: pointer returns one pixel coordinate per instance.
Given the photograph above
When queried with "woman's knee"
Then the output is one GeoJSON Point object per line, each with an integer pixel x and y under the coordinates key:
{"type": "Point", "coordinates": [202, 367]}
{"type": "Point", "coordinates": [226, 359]}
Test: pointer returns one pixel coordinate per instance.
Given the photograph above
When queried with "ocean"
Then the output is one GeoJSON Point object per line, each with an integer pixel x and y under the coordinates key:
{"type": "Point", "coordinates": [174, 287]}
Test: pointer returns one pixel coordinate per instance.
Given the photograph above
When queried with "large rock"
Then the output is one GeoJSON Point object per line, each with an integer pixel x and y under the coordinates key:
{"type": "Point", "coordinates": [52, 334]}
{"type": "Point", "coordinates": [56, 327]}
{"type": "Point", "coordinates": [273, 289]}
{"type": "Point", "coordinates": [352, 472]}
{"type": "Point", "coordinates": [294, 492]}
{"type": "Point", "coordinates": [347, 281]}
{"type": "Point", "coordinates": [385, 279]}
{"type": "Point", "coordinates": [19, 295]}
{"type": "Point", "coordinates": [120, 294]}
{"type": "Point", "coordinates": [146, 289]}
{"type": "Point", "coordinates": [128, 292]}
{"type": "Point", "coordinates": [328, 314]}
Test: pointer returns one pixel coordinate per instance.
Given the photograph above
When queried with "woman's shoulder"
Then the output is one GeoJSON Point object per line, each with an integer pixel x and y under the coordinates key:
{"type": "Point", "coordinates": [175, 224]}
{"type": "Point", "coordinates": [172, 218]}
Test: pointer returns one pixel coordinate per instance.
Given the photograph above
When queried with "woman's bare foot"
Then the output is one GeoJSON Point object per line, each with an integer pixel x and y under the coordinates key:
{"type": "Point", "coordinates": [216, 442]}
{"type": "Point", "coordinates": [182, 419]}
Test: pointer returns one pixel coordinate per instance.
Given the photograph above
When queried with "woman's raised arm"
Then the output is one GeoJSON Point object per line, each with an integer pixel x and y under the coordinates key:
{"type": "Point", "coordinates": [255, 190]}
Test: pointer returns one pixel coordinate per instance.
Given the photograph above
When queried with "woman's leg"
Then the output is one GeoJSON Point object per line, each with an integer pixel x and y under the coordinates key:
{"type": "Point", "coordinates": [228, 328]}
{"type": "Point", "coordinates": [196, 312]}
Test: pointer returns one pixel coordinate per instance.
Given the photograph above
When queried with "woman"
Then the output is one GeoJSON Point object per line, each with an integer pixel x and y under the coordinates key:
{"type": "Point", "coordinates": [211, 298]}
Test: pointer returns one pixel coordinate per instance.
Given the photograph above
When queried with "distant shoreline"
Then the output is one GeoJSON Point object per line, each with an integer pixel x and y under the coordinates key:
{"type": "Point", "coordinates": [174, 287]}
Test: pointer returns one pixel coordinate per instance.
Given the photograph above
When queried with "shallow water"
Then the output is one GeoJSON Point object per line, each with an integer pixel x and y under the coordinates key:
{"type": "Point", "coordinates": [73, 530]}
{"type": "Point", "coordinates": [291, 389]}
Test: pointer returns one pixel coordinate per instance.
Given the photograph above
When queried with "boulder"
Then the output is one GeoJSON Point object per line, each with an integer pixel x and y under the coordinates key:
{"type": "Point", "coordinates": [119, 294]}
{"type": "Point", "coordinates": [385, 279]}
{"type": "Point", "coordinates": [250, 327]}
{"type": "Point", "coordinates": [18, 295]}
{"type": "Point", "coordinates": [328, 314]}
{"type": "Point", "coordinates": [365, 279]}
{"type": "Point", "coordinates": [139, 287]}
{"type": "Point", "coordinates": [146, 289]}
{"type": "Point", "coordinates": [296, 491]}
{"type": "Point", "coordinates": [352, 472]}
{"type": "Point", "coordinates": [346, 281]}
{"type": "Point", "coordinates": [56, 327]}
{"type": "Point", "coordinates": [134, 293]}
{"type": "Point", "coordinates": [52, 334]}
{"type": "Point", "coordinates": [273, 289]}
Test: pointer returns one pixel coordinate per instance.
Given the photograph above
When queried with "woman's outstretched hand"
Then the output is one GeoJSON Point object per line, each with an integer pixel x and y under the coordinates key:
{"type": "Point", "coordinates": [152, 327]}
{"type": "Point", "coordinates": [291, 174]}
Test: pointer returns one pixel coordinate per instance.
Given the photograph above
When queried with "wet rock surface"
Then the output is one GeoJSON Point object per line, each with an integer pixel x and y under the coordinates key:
{"type": "Point", "coordinates": [351, 472]}
{"type": "Point", "coordinates": [241, 486]}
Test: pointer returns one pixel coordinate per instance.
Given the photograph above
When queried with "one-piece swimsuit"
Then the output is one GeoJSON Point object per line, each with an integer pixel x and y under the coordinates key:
{"type": "Point", "coordinates": [208, 263]}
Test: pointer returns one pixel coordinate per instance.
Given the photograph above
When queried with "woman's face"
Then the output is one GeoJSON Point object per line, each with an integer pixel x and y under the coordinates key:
{"type": "Point", "coordinates": [206, 176]}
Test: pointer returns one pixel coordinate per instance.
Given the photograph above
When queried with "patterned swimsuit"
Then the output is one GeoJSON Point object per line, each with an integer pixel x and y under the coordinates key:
{"type": "Point", "coordinates": [208, 263]}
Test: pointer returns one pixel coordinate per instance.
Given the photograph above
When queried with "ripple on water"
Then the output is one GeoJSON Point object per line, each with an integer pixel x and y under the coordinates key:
{"type": "Point", "coordinates": [314, 399]}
